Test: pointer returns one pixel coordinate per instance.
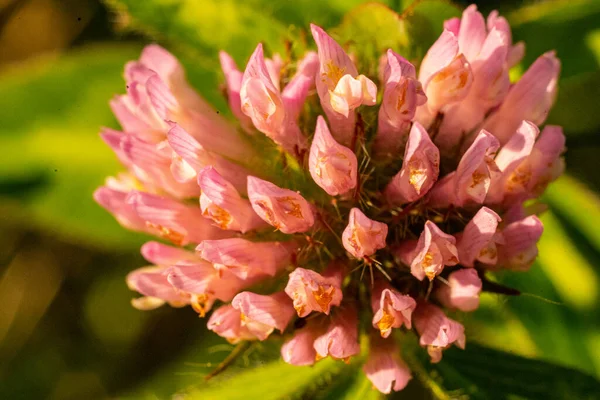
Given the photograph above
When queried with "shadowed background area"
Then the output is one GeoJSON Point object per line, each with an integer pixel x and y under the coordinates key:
{"type": "Point", "coordinates": [67, 330]}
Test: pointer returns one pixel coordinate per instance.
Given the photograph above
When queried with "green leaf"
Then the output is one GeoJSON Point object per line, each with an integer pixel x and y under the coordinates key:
{"type": "Point", "coordinates": [204, 27]}
{"type": "Point", "coordinates": [577, 104]}
{"type": "Point", "coordinates": [275, 380]}
{"type": "Point", "coordinates": [578, 205]}
{"type": "Point", "coordinates": [482, 373]}
{"type": "Point", "coordinates": [561, 25]}
{"type": "Point", "coordinates": [51, 111]}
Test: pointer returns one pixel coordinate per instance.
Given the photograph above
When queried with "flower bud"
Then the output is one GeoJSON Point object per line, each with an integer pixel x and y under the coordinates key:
{"type": "Point", "coordinates": [226, 322]}
{"type": "Point", "coordinates": [390, 308]}
{"type": "Point", "coordinates": [340, 341]}
{"type": "Point", "coordinates": [427, 257]}
{"type": "Point", "coordinates": [462, 290]}
{"type": "Point", "coordinates": [384, 368]}
{"type": "Point", "coordinates": [437, 331]}
{"type": "Point", "coordinates": [420, 169]}
{"type": "Point", "coordinates": [402, 95]}
{"type": "Point", "coordinates": [263, 314]}
{"type": "Point", "coordinates": [312, 291]}
{"type": "Point", "coordinates": [244, 258]}
{"type": "Point", "coordinates": [284, 209]}
{"type": "Point", "coordinates": [223, 204]}
{"type": "Point", "coordinates": [363, 236]}
{"type": "Point", "coordinates": [332, 166]}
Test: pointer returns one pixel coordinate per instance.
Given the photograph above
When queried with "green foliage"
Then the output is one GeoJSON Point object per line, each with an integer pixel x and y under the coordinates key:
{"type": "Point", "coordinates": [483, 373]}
{"type": "Point", "coordinates": [273, 381]}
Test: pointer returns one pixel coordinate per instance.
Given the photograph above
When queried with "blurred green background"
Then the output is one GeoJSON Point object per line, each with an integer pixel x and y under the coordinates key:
{"type": "Point", "coordinates": [67, 330]}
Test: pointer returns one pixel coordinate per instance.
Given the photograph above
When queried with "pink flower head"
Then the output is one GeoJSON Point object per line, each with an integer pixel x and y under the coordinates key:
{"type": "Point", "coordinates": [263, 103]}
{"type": "Point", "coordinates": [446, 76]}
{"type": "Point", "coordinates": [363, 236]}
{"type": "Point", "coordinates": [420, 168]}
{"type": "Point", "coordinates": [402, 95]}
{"type": "Point", "coordinates": [437, 331]}
{"type": "Point", "coordinates": [462, 290]}
{"type": "Point", "coordinates": [332, 166]}
{"type": "Point", "coordinates": [226, 322]}
{"type": "Point", "coordinates": [300, 350]}
{"type": "Point", "coordinates": [520, 243]}
{"type": "Point", "coordinates": [390, 308]}
{"type": "Point", "coordinates": [222, 203]}
{"type": "Point", "coordinates": [311, 291]}
{"type": "Point", "coordinates": [244, 258]}
{"type": "Point", "coordinates": [384, 368]}
{"type": "Point", "coordinates": [340, 88]}
{"type": "Point", "coordinates": [172, 220]}
{"type": "Point", "coordinates": [340, 340]}
{"type": "Point", "coordinates": [263, 314]}
{"type": "Point", "coordinates": [529, 99]}
{"type": "Point", "coordinates": [461, 118]}
{"type": "Point", "coordinates": [284, 209]}
{"type": "Point", "coordinates": [427, 257]}
{"type": "Point", "coordinates": [478, 241]}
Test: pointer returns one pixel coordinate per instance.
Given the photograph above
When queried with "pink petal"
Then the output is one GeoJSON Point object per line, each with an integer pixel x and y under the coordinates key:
{"type": "Point", "coordinates": [262, 314]}
{"type": "Point", "coordinates": [172, 220]}
{"type": "Point", "coordinates": [420, 168]}
{"type": "Point", "coordinates": [202, 279]}
{"type": "Point", "coordinates": [449, 85]}
{"type": "Point", "coordinates": [439, 55]}
{"type": "Point", "coordinates": [334, 63]}
{"type": "Point", "coordinates": [472, 32]}
{"type": "Point", "coordinates": [520, 249]}
{"type": "Point", "coordinates": [152, 282]}
{"type": "Point", "coordinates": [297, 90]}
{"type": "Point", "coordinates": [530, 98]}
{"type": "Point", "coordinates": [299, 349]}
{"type": "Point", "coordinates": [222, 203]}
{"type": "Point", "coordinates": [161, 254]}
{"type": "Point", "coordinates": [403, 93]}
{"type": "Point", "coordinates": [311, 291]}
{"type": "Point", "coordinates": [390, 308]}
{"type": "Point", "coordinates": [437, 331]}
{"type": "Point", "coordinates": [462, 290]}
{"type": "Point", "coordinates": [226, 322]}
{"type": "Point", "coordinates": [245, 258]}
{"type": "Point", "coordinates": [197, 157]}
{"type": "Point", "coordinates": [233, 80]}
{"type": "Point", "coordinates": [151, 164]}
{"type": "Point", "coordinates": [363, 236]}
{"type": "Point", "coordinates": [262, 102]}
{"type": "Point", "coordinates": [114, 201]}
{"type": "Point", "coordinates": [477, 240]}
{"type": "Point", "coordinates": [284, 209]}
{"type": "Point", "coordinates": [340, 341]}
{"type": "Point", "coordinates": [434, 250]}
{"type": "Point", "coordinates": [510, 157]}
{"type": "Point", "coordinates": [332, 166]}
{"type": "Point", "coordinates": [384, 368]}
